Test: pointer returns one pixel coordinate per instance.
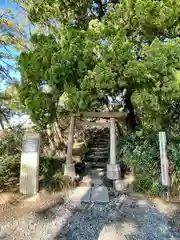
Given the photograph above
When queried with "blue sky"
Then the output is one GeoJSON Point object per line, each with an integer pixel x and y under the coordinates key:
{"type": "Point", "coordinates": [17, 10]}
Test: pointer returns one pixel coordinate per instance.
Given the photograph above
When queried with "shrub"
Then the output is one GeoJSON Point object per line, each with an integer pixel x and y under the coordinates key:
{"type": "Point", "coordinates": [9, 165]}
{"type": "Point", "coordinates": [11, 141]}
{"type": "Point", "coordinates": [53, 177]}
{"type": "Point", "coordinates": [142, 152]}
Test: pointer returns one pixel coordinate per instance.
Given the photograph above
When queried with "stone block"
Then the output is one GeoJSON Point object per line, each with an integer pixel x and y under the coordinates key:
{"type": "Point", "coordinates": [99, 194]}
{"type": "Point", "coordinates": [113, 171]}
{"type": "Point", "coordinates": [81, 194]}
{"type": "Point", "coordinates": [69, 170]}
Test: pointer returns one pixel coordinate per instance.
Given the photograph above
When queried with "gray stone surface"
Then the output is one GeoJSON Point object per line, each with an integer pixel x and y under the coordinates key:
{"type": "Point", "coordinates": [81, 194]}
{"type": "Point", "coordinates": [69, 170]}
{"type": "Point", "coordinates": [96, 181]}
{"type": "Point", "coordinates": [29, 170]}
{"type": "Point", "coordinates": [111, 221]}
{"type": "Point", "coordinates": [99, 194]}
{"type": "Point", "coordinates": [113, 171]}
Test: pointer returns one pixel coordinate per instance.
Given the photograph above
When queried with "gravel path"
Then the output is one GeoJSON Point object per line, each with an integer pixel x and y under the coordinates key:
{"type": "Point", "coordinates": [120, 219]}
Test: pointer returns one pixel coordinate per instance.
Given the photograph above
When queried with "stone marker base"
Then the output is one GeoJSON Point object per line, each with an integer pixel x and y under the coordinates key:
{"type": "Point", "coordinates": [113, 171]}
{"type": "Point", "coordinates": [31, 198]}
{"type": "Point", "coordinates": [69, 170]}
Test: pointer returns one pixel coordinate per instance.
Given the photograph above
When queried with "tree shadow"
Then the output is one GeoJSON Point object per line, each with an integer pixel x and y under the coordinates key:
{"type": "Point", "coordinates": [109, 221]}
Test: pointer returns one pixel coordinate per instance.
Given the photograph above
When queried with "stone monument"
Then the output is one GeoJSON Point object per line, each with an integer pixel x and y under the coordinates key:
{"type": "Point", "coordinates": [29, 172]}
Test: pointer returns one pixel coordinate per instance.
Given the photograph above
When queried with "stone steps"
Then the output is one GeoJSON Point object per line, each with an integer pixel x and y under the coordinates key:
{"type": "Point", "coordinates": [97, 158]}
{"type": "Point", "coordinates": [99, 150]}
{"type": "Point", "coordinates": [99, 145]}
{"type": "Point", "coordinates": [96, 164]}
{"type": "Point", "coordinates": [98, 154]}
{"type": "Point", "coordinates": [104, 153]}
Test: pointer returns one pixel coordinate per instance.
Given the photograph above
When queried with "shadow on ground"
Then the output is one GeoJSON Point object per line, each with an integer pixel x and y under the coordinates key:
{"type": "Point", "coordinates": [114, 221]}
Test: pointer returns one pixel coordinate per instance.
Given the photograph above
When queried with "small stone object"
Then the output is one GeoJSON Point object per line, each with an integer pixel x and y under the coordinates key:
{"type": "Point", "coordinates": [119, 185]}
{"type": "Point", "coordinates": [113, 171]}
{"type": "Point", "coordinates": [143, 203]}
{"type": "Point", "coordinates": [133, 205]}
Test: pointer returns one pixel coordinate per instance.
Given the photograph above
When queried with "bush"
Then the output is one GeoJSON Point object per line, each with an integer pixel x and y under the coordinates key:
{"type": "Point", "coordinates": [11, 141]}
{"type": "Point", "coordinates": [53, 177]}
{"type": "Point", "coordinates": [142, 153]}
{"type": "Point", "coordinates": [10, 155]}
{"type": "Point", "coordinates": [10, 151]}
{"type": "Point", "coordinates": [9, 165]}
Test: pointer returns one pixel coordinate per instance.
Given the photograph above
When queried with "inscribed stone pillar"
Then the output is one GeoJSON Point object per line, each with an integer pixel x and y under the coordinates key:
{"type": "Point", "coordinates": [164, 159]}
{"type": "Point", "coordinates": [69, 168]}
{"type": "Point", "coordinates": [113, 169]}
{"type": "Point", "coordinates": [29, 172]}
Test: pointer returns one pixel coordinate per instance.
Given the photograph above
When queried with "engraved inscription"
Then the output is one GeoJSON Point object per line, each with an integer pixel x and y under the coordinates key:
{"type": "Point", "coordinates": [30, 145]}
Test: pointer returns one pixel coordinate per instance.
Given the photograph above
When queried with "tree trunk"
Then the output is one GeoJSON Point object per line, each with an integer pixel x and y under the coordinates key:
{"type": "Point", "coordinates": [120, 132]}
{"type": "Point", "coordinates": [1, 123]}
{"type": "Point", "coordinates": [6, 119]}
{"type": "Point", "coordinates": [131, 118]}
{"type": "Point", "coordinates": [100, 10]}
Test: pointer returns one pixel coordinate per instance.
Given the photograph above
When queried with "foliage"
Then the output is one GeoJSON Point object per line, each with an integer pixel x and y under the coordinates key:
{"type": "Point", "coordinates": [12, 36]}
{"type": "Point", "coordinates": [9, 165]}
{"type": "Point", "coordinates": [11, 141]}
{"type": "Point", "coordinates": [134, 47]}
{"type": "Point", "coordinates": [53, 178]}
{"type": "Point", "coordinates": [142, 152]}
{"type": "Point", "coordinates": [10, 152]}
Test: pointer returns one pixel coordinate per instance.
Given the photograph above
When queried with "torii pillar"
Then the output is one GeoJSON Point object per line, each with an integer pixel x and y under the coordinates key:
{"type": "Point", "coordinates": [69, 168]}
{"type": "Point", "coordinates": [113, 169]}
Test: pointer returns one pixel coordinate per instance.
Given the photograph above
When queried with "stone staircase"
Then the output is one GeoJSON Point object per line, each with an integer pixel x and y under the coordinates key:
{"type": "Point", "coordinates": [91, 187]}
{"type": "Point", "coordinates": [98, 154]}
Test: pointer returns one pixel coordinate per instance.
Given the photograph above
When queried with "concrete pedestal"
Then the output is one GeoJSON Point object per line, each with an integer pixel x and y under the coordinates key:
{"type": "Point", "coordinates": [113, 171]}
{"type": "Point", "coordinates": [69, 170]}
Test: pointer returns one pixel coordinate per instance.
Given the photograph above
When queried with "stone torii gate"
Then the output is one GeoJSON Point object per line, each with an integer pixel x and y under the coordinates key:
{"type": "Point", "coordinates": [113, 169]}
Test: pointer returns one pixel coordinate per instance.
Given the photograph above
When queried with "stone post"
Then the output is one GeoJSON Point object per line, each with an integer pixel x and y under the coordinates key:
{"type": "Point", "coordinates": [69, 168]}
{"type": "Point", "coordinates": [29, 172]}
{"type": "Point", "coordinates": [164, 159]}
{"type": "Point", "coordinates": [112, 141]}
{"type": "Point", "coordinates": [113, 169]}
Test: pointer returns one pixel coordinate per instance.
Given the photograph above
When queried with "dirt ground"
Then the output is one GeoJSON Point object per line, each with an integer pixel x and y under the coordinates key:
{"type": "Point", "coordinates": [15, 205]}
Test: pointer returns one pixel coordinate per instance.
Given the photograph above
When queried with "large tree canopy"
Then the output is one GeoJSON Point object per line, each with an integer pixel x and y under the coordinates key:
{"type": "Point", "coordinates": [92, 50]}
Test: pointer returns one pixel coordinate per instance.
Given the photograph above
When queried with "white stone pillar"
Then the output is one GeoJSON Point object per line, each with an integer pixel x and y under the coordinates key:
{"type": "Point", "coordinates": [113, 169]}
{"type": "Point", "coordinates": [112, 141]}
{"type": "Point", "coordinates": [69, 168]}
{"type": "Point", "coordinates": [29, 172]}
{"type": "Point", "coordinates": [164, 159]}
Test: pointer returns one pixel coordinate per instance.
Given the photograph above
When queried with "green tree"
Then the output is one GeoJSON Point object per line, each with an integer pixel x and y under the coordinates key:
{"type": "Point", "coordinates": [129, 50]}
{"type": "Point", "coordinates": [13, 38]}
